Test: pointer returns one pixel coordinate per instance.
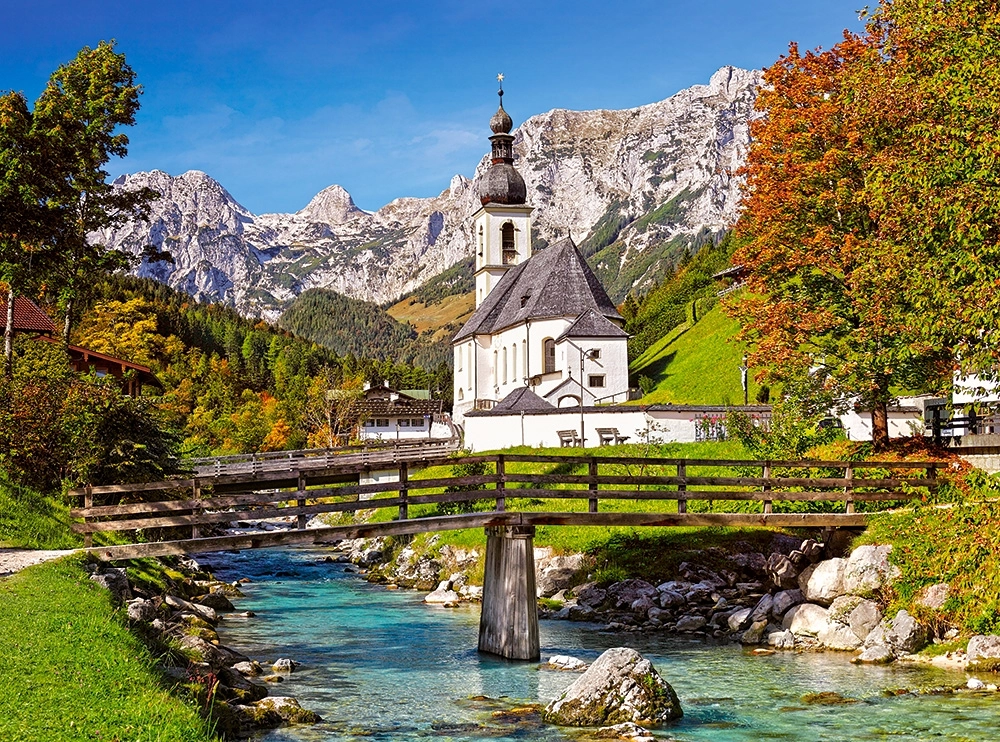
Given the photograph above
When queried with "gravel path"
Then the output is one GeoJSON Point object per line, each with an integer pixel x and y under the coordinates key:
{"type": "Point", "coordinates": [14, 560]}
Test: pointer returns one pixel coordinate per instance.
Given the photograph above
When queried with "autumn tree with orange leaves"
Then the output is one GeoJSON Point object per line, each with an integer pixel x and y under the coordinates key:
{"type": "Point", "coordinates": [871, 204]}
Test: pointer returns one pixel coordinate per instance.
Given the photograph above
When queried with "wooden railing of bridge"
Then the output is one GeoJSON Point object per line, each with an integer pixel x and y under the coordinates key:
{"type": "Point", "coordinates": [598, 490]}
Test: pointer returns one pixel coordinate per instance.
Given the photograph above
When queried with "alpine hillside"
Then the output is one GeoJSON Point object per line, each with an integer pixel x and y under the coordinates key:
{"type": "Point", "coordinates": [635, 188]}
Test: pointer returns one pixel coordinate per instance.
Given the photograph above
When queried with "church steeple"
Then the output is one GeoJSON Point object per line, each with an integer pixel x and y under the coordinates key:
{"type": "Point", "coordinates": [502, 227]}
{"type": "Point", "coordinates": [502, 184]}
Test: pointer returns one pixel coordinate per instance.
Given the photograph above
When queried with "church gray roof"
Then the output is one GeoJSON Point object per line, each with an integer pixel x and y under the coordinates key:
{"type": "Point", "coordinates": [520, 399]}
{"type": "Point", "coordinates": [590, 324]}
{"type": "Point", "coordinates": [556, 282]}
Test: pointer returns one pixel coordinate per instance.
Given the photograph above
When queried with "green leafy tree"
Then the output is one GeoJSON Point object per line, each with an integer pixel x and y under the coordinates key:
{"type": "Point", "coordinates": [80, 113]}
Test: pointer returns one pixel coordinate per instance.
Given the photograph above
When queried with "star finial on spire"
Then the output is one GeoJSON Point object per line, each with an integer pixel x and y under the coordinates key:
{"type": "Point", "coordinates": [500, 92]}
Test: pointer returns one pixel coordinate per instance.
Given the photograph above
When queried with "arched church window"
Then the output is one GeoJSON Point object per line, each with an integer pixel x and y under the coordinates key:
{"type": "Point", "coordinates": [480, 240]}
{"type": "Point", "coordinates": [505, 364]}
{"type": "Point", "coordinates": [513, 362]}
{"type": "Point", "coordinates": [507, 243]}
{"type": "Point", "coordinates": [549, 354]}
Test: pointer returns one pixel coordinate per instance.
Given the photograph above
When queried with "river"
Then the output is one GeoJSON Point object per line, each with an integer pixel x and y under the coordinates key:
{"type": "Point", "coordinates": [381, 665]}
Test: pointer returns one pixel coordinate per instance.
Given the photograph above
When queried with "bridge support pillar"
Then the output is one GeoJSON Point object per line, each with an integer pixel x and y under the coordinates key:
{"type": "Point", "coordinates": [508, 625]}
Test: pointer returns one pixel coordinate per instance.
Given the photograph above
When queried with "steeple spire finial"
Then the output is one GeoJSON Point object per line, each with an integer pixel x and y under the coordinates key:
{"type": "Point", "coordinates": [502, 184]}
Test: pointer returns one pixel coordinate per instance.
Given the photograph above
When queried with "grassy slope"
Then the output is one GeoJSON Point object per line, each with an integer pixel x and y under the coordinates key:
{"type": "Point", "coordinates": [695, 364]}
{"type": "Point", "coordinates": [69, 670]}
{"type": "Point", "coordinates": [31, 521]}
{"type": "Point", "coordinates": [437, 315]}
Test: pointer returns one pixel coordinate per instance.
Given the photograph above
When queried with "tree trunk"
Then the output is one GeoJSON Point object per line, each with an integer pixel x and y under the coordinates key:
{"type": "Point", "coordinates": [68, 322]}
{"type": "Point", "coordinates": [8, 336]}
{"type": "Point", "coordinates": [880, 425]}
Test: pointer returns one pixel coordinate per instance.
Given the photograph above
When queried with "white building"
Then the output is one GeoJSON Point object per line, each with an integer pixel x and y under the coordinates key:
{"type": "Point", "coordinates": [542, 321]}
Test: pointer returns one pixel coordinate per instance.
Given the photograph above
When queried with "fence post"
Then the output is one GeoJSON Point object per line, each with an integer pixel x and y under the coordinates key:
{"type": "Point", "coordinates": [849, 488]}
{"type": "Point", "coordinates": [195, 495]}
{"type": "Point", "coordinates": [88, 502]}
{"type": "Point", "coordinates": [501, 484]}
{"type": "Point", "coordinates": [936, 424]}
{"type": "Point", "coordinates": [682, 503]}
{"type": "Point", "coordinates": [592, 471]}
{"type": "Point", "coordinates": [767, 486]}
{"type": "Point", "coordinates": [932, 475]}
{"type": "Point", "coordinates": [404, 491]}
{"type": "Point", "coordinates": [301, 502]}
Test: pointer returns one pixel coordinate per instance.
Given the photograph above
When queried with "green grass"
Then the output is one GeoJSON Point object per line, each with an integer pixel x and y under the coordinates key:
{"type": "Point", "coordinates": [30, 520]}
{"type": "Point", "coordinates": [696, 364]}
{"type": "Point", "coordinates": [70, 670]}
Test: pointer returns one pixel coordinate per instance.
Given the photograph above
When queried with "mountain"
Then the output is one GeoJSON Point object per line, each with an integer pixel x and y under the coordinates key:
{"type": "Point", "coordinates": [636, 188]}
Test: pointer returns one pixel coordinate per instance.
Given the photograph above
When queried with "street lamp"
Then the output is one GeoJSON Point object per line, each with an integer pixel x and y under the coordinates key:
{"type": "Point", "coordinates": [591, 354]}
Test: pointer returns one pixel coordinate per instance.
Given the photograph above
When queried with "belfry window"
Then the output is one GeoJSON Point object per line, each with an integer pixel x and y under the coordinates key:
{"type": "Point", "coordinates": [507, 243]}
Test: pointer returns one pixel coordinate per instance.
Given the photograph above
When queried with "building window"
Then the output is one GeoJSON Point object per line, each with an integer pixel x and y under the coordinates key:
{"type": "Point", "coordinates": [416, 422]}
{"type": "Point", "coordinates": [403, 422]}
{"type": "Point", "coordinates": [505, 365]}
{"type": "Point", "coordinates": [496, 369]}
{"type": "Point", "coordinates": [549, 354]}
{"type": "Point", "coordinates": [513, 362]}
{"type": "Point", "coordinates": [595, 380]}
{"type": "Point", "coordinates": [594, 353]}
{"type": "Point", "coordinates": [460, 354]}
{"type": "Point", "coordinates": [524, 358]}
{"type": "Point", "coordinates": [381, 422]}
{"type": "Point", "coordinates": [507, 243]}
{"type": "Point", "coordinates": [480, 240]}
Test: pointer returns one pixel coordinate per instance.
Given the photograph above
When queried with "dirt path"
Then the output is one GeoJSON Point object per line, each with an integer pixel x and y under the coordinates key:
{"type": "Point", "coordinates": [14, 560]}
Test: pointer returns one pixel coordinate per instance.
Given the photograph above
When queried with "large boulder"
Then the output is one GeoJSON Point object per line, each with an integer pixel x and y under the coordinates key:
{"type": "Point", "coordinates": [823, 582]}
{"type": "Point", "coordinates": [858, 614]}
{"type": "Point", "coordinates": [781, 571]}
{"type": "Point", "coordinates": [902, 635]}
{"type": "Point", "coordinates": [984, 653]}
{"type": "Point", "coordinates": [933, 596]}
{"type": "Point", "coordinates": [623, 594]}
{"type": "Point", "coordinates": [805, 619]}
{"type": "Point", "coordinates": [868, 570]}
{"type": "Point", "coordinates": [555, 573]}
{"type": "Point", "coordinates": [620, 686]}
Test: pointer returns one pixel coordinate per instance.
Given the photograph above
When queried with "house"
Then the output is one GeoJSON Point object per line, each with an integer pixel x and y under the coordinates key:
{"type": "Point", "coordinates": [30, 320]}
{"type": "Point", "coordinates": [542, 321]}
{"type": "Point", "coordinates": [388, 414]}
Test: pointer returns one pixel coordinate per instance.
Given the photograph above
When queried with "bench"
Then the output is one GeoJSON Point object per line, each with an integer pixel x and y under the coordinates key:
{"type": "Point", "coordinates": [610, 436]}
{"type": "Point", "coordinates": [568, 438]}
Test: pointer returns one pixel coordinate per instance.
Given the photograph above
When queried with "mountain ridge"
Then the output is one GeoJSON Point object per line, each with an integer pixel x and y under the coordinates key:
{"type": "Point", "coordinates": [585, 171]}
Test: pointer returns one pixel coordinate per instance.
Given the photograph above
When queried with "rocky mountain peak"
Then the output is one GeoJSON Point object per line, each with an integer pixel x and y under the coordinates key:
{"type": "Point", "coordinates": [332, 205]}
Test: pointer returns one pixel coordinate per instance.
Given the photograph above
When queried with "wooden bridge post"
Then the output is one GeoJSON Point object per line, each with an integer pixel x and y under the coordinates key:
{"type": "Point", "coordinates": [508, 624]}
{"type": "Point", "coordinates": [849, 488]}
{"type": "Point", "coordinates": [88, 502]}
{"type": "Point", "coordinates": [592, 471]}
{"type": "Point", "coordinates": [404, 491]}
{"type": "Point", "coordinates": [767, 486]}
{"type": "Point", "coordinates": [682, 503]}
{"type": "Point", "coordinates": [195, 495]}
{"type": "Point", "coordinates": [301, 502]}
{"type": "Point", "coordinates": [501, 484]}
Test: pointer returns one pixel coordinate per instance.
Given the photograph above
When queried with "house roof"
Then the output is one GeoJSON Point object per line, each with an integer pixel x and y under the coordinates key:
{"type": "Point", "coordinates": [81, 356]}
{"type": "Point", "coordinates": [27, 316]}
{"type": "Point", "coordinates": [522, 399]}
{"type": "Point", "coordinates": [590, 324]}
{"type": "Point", "coordinates": [556, 282]}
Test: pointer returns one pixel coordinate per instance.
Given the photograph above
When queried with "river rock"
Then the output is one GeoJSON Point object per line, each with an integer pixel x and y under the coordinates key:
{"type": "Point", "coordinates": [115, 581]}
{"type": "Point", "coordinates": [285, 666]}
{"type": "Point", "coordinates": [623, 594]}
{"type": "Point", "coordinates": [202, 611]}
{"type": "Point", "coordinates": [785, 600]}
{"type": "Point", "coordinates": [591, 595]}
{"type": "Point", "coordinates": [868, 570]}
{"type": "Point", "coordinates": [933, 596]}
{"type": "Point", "coordinates": [738, 619]}
{"type": "Point", "coordinates": [823, 582]}
{"type": "Point", "coordinates": [805, 619]}
{"type": "Point", "coordinates": [781, 640]}
{"type": "Point", "coordinates": [581, 613]}
{"type": "Point", "coordinates": [288, 709]}
{"type": "Point", "coordinates": [864, 618]}
{"type": "Point", "coordinates": [565, 662]}
{"type": "Point", "coordinates": [811, 549]}
{"type": "Point", "coordinates": [250, 669]}
{"type": "Point", "coordinates": [763, 608]}
{"type": "Point", "coordinates": [690, 622]}
{"type": "Point", "coordinates": [628, 730]}
{"type": "Point", "coordinates": [879, 654]}
{"type": "Point", "coordinates": [444, 595]}
{"type": "Point", "coordinates": [216, 656]}
{"type": "Point", "coordinates": [984, 653]}
{"type": "Point", "coordinates": [620, 686]}
{"type": "Point", "coordinates": [555, 573]}
{"type": "Point", "coordinates": [904, 634]}
{"type": "Point", "coordinates": [141, 610]}
{"type": "Point", "coordinates": [836, 635]}
{"type": "Point", "coordinates": [657, 616]}
{"type": "Point", "coordinates": [217, 602]}
{"type": "Point", "coordinates": [671, 598]}
{"type": "Point", "coordinates": [781, 571]}
{"type": "Point", "coordinates": [756, 633]}
{"type": "Point", "coordinates": [233, 686]}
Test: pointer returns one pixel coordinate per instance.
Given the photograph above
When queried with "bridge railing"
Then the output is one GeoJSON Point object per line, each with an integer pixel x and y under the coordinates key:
{"type": "Point", "coordinates": [588, 490]}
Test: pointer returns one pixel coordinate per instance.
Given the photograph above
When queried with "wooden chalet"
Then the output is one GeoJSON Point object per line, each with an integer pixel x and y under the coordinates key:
{"type": "Point", "coordinates": [30, 320]}
{"type": "Point", "coordinates": [386, 413]}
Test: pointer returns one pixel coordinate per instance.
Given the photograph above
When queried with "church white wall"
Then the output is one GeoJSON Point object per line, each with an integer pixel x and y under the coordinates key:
{"type": "Point", "coordinates": [612, 364]}
{"type": "Point", "coordinates": [491, 432]}
{"type": "Point", "coordinates": [904, 422]}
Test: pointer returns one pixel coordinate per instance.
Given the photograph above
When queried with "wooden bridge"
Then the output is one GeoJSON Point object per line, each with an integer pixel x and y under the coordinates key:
{"type": "Point", "coordinates": [506, 494]}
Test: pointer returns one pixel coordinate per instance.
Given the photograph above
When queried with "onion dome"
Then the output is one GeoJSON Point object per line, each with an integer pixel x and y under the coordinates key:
{"type": "Point", "coordinates": [501, 183]}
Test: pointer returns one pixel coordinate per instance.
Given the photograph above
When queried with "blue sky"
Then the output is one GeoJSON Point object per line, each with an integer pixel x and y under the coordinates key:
{"type": "Point", "coordinates": [388, 99]}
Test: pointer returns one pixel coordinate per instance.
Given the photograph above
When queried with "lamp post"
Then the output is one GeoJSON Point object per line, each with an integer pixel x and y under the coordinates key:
{"type": "Point", "coordinates": [589, 353]}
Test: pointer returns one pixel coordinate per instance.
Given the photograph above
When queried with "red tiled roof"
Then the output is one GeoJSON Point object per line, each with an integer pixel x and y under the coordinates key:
{"type": "Point", "coordinates": [27, 316]}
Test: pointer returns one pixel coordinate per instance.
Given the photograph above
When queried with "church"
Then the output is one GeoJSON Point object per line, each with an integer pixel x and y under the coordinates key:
{"type": "Point", "coordinates": [544, 335]}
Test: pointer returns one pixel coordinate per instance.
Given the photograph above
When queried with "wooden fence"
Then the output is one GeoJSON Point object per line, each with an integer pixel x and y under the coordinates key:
{"type": "Point", "coordinates": [157, 510]}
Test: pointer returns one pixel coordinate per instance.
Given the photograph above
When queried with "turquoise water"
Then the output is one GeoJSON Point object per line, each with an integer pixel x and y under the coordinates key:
{"type": "Point", "coordinates": [381, 665]}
